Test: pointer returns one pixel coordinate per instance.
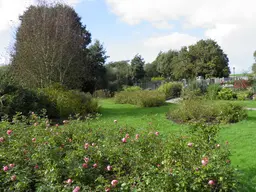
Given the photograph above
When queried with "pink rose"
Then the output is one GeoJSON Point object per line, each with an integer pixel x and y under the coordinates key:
{"type": "Point", "coordinates": [69, 181]}
{"type": "Point", "coordinates": [13, 178]}
{"type": "Point", "coordinates": [137, 136]}
{"type": "Point", "coordinates": [114, 183]}
{"type": "Point", "coordinates": [93, 144]}
{"type": "Point", "coordinates": [85, 165]}
{"type": "Point", "coordinates": [211, 182]}
{"type": "Point", "coordinates": [5, 168]}
{"type": "Point", "coordinates": [9, 132]}
{"type": "Point", "coordinates": [1, 139]}
{"type": "Point", "coordinates": [127, 136]}
{"type": "Point", "coordinates": [86, 145]}
{"type": "Point", "coordinates": [34, 139]}
{"type": "Point", "coordinates": [86, 159]}
{"type": "Point", "coordinates": [95, 165]}
{"type": "Point", "coordinates": [157, 133]}
{"type": "Point", "coordinates": [205, 161]}
{"type": "Point", "coordinates": [190, 144]}
{"type": "Point", "coordinates": [107, 189]}
{"type": "Point", "coordinates": [124, 140]}
{"type": "Point", "coordinates": [109, 168]}
{"type": "Point", "coordinates": [12, 165]}
{"type": "Point", "coordinates": [36, 167]}
{"type": "Point", "coordinates": [77, 189]}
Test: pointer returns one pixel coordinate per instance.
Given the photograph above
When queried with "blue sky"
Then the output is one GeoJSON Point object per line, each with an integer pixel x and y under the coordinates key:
{"type": "Point", "coordinates": [128, 27]}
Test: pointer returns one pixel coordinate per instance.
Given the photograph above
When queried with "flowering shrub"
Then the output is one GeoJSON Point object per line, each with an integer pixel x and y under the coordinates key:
{"type": "Point", "coordinates": [143, 98]}
{"type": "Point", "coordinates": [79, 157]}
{"type": "Point", "coordinates": [241, 84]}
{"type": "Point", "coordinates": [226, 94]}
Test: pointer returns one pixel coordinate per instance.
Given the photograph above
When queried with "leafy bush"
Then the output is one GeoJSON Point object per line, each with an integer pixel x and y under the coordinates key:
{"type": "Point", "coordinates": [226, 94]}
{"type": "Point", "coordinates": [70, 102]}
{"type": "Point", "coordinates": [212, 91]}
{"type": "Point", "coordinates": [17, 99]}
{"type": "Point", "coordinates": [157, 79]}
{"type": "Point", "coordinates": [102, 93]}
{"type": "Point", "coordinates": [131, 88]}
{"type": "Point", "coordinates": [244, 95]}
{"type": "Point", "coordinates": [144, 98]}
{"type": "Point", "coordinates": [117, 158]}
{"type": "Point", "coordinates": [190, 111]}
{"type": "Point", "coordinates": [171, 89]}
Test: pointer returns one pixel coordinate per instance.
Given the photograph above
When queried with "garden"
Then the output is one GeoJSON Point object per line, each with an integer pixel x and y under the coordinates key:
{"type": "Point", "coordinates": [72, 122]}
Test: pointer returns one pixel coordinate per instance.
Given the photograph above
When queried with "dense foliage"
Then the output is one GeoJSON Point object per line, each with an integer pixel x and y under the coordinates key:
{"type": "Point", "coordinates": [38, 157]}
{"type": "Point", "coordinates": [143, 98]}
{"type": "Point", "coordinates": [190, 111]}
{"type": "Point", "coordinates": [171, 89]}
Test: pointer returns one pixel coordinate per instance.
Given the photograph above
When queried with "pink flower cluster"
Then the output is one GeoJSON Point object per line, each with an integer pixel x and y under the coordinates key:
{"type": "Point", "coordinates": [6, 168]}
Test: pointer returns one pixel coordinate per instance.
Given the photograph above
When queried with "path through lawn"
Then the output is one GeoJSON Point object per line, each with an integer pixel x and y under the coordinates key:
{"type": "Point", "coordinates": [241, 136]}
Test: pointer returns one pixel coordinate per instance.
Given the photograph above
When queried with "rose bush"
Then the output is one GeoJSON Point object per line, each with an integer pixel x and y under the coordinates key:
{"type": "Point", "coordinates": [79, 156]}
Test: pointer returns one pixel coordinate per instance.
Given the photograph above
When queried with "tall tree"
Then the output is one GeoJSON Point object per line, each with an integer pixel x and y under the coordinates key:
{"type": "Point", "coordinates": [209, 59]}
{"type": "Point", "coordinates": [51, 46]}
{"type": "Point", "coordinates": [164, 63]}
{"type": "Point", "coordinates": [95, 78]}
{"type": "Point", "coordinates": [151, 70]}
{"type": "Point", "coordinates": [137, 67]}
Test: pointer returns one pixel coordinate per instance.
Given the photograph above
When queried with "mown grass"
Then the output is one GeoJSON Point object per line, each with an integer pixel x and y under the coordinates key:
{"type": "Point", "coordinates": [241, 136]}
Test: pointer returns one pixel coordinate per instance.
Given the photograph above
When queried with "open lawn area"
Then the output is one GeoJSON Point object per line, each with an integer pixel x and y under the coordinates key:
{"type": "Point", "coordinates": [241, 136]}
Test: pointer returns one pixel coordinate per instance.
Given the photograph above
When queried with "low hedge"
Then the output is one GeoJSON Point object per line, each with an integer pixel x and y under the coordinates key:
{"type": "Point", "coordinates": [190, 111]}
{"type": "Point", "coordinates": [145, 98]}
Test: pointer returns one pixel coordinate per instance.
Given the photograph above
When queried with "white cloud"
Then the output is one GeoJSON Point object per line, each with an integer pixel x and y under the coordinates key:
{"type": "Point", "coordinates": [172, 41]}
{"type": "Point", "coordinates": [162, 25]}
{"type": "Point", "coordinates": [230, 22]}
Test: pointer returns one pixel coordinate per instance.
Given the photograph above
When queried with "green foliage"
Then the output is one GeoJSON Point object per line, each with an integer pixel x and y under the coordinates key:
{"type": "Point", "coordinates": [143, 98]}
{"type": "Point", "coordinates": [226, 94]}
{"type": "Point", "coordinates": [157, 79]}
{"type": "Point", "coordinates": [212, 91]}
{"type": "Point", "coordinates": [171, 89]}
{"type": "Point", "coordinates": [190, 111]}
{"type": "Point", "coordinates": [17, 99]}
{"type": "Point", "coordinates": [151, 70]}
{"type": "Point", "coordinates": [102, 93]}
{"type": "Point", "coordinates": [131, 88]}
{"type": "Point", "coordinates": [244, 95]}
{"type": "Point", "coordinates": [70, 102]}
{"type": "Point", "coordinates": [137, 68]}
{"type": "Point", "coordinates": [146, 162]}
{"type": "Point", "coordinates": [195, 89]}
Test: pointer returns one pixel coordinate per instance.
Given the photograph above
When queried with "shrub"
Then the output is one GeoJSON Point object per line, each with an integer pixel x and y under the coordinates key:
{"type": "Point", "coordinates": [171, 89]}
{"type": "Point", "coordinates": [212, 91]}
{"type": "Point", "coordinates": [144, 98]}
{"type": "Point", "coordinates": [226, 94]}
{"type": "Point", "coordinates": [154, 79]}
{"type": "Point", "coordinates": [131, 88]}
{"type": "Point", "coordinates": [91, 158]}
{"type": "Point", "coordinates": [17, 99]}
{"type": "Point", "coordinates": [190, 111]}
{"type": "Point", "coordinates": [244, 95]}
{"type": "Point", "coordinates": [102, 93]}
{"type": "Point", "coordinates": [70, 102]}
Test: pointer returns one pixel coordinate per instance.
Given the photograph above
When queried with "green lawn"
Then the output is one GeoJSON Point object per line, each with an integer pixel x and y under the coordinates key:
{"type": "Point", "coordinates": [241, 136]}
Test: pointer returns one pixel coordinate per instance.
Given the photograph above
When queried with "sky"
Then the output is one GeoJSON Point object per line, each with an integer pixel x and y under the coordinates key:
{"type": "Point", "coordinates": [146, 27]}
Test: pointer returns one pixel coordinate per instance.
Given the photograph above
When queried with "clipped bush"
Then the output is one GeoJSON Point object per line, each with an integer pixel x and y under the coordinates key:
{"type": "Point", "coordinates": [226, 94]}
{"type": "Point", "coordinates": [171, 89]}
{"type": "Point", "coordinates": [146, 98]}
{"type": "Point", "coordinates": [79, 156]}
{"type": "Point", "coordinates": [102, 93]}
{"type": "Point", "coordinates": [131, 88]}
{"type": "Point", "coordinates": [154, 79]}
{"type": "Point", "coordinates": [70, 102]}
{"type": "Point", "coordinates": [190, 111]}
{"type": "Point", "coordinates": [212, 91]}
